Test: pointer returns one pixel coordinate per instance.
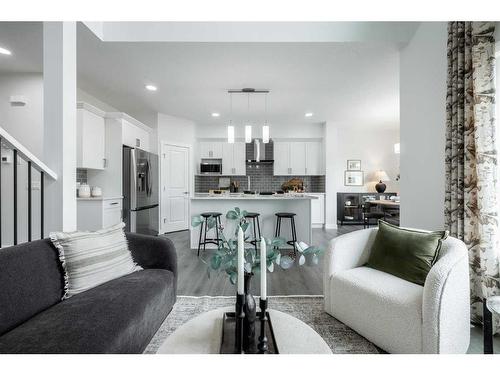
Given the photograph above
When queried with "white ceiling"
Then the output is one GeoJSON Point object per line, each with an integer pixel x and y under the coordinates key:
{"type": "Point", "coordinates": [278, 32]}
{"type": "Point", "coordinates": [25, 41]}
{"type": "Point", "coordinates": [354, 83]}
{"type": "Point", "coordinates": [349, 82]}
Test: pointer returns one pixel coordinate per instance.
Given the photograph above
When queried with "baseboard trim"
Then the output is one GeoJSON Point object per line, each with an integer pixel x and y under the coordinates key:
{"type": "Point", "coordinates": [279, 296]}
{"type": "Point", "coordinates": [331, 226]}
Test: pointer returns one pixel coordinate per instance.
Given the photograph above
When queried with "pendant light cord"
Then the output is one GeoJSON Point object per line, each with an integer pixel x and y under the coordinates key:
{"type": "Point", "coordinates": [265, 109]}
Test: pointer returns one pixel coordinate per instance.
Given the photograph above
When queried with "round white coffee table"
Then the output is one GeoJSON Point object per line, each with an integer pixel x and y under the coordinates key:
{"type": "Point", "coordinates": [202, 335]}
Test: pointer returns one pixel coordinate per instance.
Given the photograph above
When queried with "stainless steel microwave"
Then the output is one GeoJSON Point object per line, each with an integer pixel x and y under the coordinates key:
{"type": "Point", "coordinates": [211, 166]}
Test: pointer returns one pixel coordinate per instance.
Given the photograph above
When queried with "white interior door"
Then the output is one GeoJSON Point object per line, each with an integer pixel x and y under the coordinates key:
{"type": "Point", "coordinates": [175, 188]}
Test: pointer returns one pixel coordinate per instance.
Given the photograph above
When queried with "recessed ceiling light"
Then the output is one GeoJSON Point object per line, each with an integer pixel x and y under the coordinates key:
{"type": "Point", "coordinates": [215, 114]}
{"type": "Point", "coordinates": [4, 51]}
{"type": "Point", "coordinates": [308, 114]}
{"type": "Point", "coordinates": [151, 88]}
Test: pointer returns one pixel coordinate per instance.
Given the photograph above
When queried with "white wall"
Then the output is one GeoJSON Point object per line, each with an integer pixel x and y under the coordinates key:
{"type": "Point", "coordinates": [175, 129]}
{"type": "Point", "coordinates": [423, 115]}
{"type": "Point", "coordinates": [373, 146]}
{"type": "Point", "coordinates": [180, 131]}
{"type": "Point", "coordinates": [83, 96]}
{"type": "Point", "coordinates": [25, 123]}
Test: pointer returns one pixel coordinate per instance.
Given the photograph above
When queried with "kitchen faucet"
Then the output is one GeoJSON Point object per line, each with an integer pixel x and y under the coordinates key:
{"type": "Point", "coordinates": [248, 182]}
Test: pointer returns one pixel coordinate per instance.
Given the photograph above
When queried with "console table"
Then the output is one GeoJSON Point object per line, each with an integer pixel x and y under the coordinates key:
{"type": "Point", "coordinates": [350, 206]}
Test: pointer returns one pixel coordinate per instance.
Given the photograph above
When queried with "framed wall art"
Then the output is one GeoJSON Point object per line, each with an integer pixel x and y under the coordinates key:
{"type": "Point", "coordinates": [353, 178]}
{"type": "Point", "coordinates": [353, 165]}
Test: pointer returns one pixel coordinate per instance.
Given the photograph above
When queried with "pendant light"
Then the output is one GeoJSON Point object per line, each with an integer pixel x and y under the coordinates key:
{"type": "Point", "coordinates": [248, 128]}
{"type": "Point", "coordinates": [265, 127]}
{"type": "Point", "coordinates": [230, 127]}
{"type": "Point", "coordinates": [248, 133]}
{"type": "Point", "coordinates": [230, 134]}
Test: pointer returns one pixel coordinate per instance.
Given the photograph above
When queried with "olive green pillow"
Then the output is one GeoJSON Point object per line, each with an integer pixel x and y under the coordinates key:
{"type": "Point", "coordinates": [406, 253]}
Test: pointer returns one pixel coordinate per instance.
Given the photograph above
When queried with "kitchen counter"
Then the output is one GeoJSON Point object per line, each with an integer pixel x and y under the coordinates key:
{"type": "Point", "coordinates": [238, 196]}
{"type": "Point", "coordinates": [97, 198]}
{"type": "Point", "coordinates": [266, 205]}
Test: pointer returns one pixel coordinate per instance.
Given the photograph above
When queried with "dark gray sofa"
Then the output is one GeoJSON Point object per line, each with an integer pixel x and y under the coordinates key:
{"type": "Point", "coordinates": [120, 316]}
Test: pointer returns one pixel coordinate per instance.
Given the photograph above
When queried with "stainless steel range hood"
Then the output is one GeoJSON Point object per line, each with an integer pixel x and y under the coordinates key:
{"type": "Point", "coordinates": [260, 152]}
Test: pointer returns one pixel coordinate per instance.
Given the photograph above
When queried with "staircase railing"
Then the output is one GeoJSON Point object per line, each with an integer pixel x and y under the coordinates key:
{"type": "Point", "coordinates": [19, 151]}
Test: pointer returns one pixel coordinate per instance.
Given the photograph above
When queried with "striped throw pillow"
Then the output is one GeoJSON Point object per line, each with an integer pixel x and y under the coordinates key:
{"type": "Point", "coordinates": [93, 258]}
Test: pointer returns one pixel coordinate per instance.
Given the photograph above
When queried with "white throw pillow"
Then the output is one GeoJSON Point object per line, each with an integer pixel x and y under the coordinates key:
{"type": "Point", "coordinates": [93, 258]}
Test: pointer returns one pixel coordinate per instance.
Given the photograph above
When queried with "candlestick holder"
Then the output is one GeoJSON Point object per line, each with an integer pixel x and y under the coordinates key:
{"type": "Point", "coordinates": [240, 316]}
{"type": "Point", "coordinates": [263, 346]}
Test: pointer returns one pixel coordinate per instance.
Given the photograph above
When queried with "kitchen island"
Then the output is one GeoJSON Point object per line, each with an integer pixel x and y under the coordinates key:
{"type": "Point", "coordinates": [266, 205]}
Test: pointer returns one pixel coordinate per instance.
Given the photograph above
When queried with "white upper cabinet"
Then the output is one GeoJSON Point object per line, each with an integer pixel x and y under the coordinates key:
{"type": "Point", "coordinates": [281, 158]}
{"type": "Point", "coordinates": [289, 158]}
{"type": "Point", "coordinates": [210, 150]}
{"type": "Point", "coordinates": [134, 136]}
{"type": "Point", "coordinates": [233, 159]}
{"type": "Point", "coordinates": [297, 158]}
{"type": "Point", "coordinates": [239, 159]}
{"type": "Point", "coordinates": [90, 138]}
{"type": "Point", "coordinates": [314, 159]}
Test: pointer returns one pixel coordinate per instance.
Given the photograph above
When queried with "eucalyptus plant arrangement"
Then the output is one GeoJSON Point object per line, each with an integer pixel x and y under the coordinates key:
{"type": "Point", "coordinates": [224, 259]}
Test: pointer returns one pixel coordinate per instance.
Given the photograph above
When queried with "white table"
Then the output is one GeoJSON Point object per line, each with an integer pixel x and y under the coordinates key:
{"type": "Point", "coordinates": [202, 335]}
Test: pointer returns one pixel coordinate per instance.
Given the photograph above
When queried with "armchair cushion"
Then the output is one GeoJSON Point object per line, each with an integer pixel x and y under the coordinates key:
{"type": "Point", "coordinates": [383, 308]}
{"type": "Point", "coordinates": [405, 253]}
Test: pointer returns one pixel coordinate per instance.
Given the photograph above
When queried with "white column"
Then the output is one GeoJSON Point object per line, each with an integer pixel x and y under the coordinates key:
{"type": "Point", "coordinates": [59, 92]}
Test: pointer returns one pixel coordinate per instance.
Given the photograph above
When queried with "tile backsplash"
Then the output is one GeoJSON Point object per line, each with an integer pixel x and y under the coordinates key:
{"type": "Point", "coordinates": [81, 176]}
{"type": "Point", "coordinates": [262, 179]}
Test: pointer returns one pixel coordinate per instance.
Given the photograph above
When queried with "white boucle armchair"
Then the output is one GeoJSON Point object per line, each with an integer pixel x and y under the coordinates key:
{"type": "Point", "coordinates": [394, 314]}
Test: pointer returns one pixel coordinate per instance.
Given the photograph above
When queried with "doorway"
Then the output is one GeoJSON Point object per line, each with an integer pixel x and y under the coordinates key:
{"type": "Point", "coordinates": [175, 189]}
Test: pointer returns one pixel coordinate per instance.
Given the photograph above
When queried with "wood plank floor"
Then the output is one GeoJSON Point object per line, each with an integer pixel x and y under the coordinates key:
{"type": "Point", "coordinates": [303, 280]}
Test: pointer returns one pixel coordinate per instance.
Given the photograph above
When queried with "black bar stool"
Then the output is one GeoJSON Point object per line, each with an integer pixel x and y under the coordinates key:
{"type": "Point", "coordinates": [256, 227]}
{"type": "Point", "coordinates": [287, 215]}
{"type": "Point", "coordinates": [215, 241]}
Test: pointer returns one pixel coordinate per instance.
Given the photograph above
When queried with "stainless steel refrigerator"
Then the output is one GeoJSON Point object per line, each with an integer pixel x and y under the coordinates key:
{"type": "Point", "coordinates": [140, 191]}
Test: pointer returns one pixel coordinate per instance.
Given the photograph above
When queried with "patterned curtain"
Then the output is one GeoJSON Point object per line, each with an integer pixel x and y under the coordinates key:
{"type": "Point", "coordinates": [471, 211]}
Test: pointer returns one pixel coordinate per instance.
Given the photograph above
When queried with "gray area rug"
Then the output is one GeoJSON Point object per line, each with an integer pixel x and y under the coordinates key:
{"type": "Point", "coordinates": [309, 309]}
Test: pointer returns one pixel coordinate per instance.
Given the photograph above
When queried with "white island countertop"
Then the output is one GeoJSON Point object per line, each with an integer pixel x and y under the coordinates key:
{"type": "Point", "coordinates": [207, 196]}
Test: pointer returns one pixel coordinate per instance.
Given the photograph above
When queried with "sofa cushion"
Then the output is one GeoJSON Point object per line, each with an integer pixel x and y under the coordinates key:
{"type": "Point", "coordinates": [380, 307]}
{"type": "Point", "coordinates": [31, 280]}
{"type": "Point", "coordinates": [120, 316]}
{"type": "Point", "coordinates": [93, 258]}
{"type": "Point", "coordinates": [405, 253]}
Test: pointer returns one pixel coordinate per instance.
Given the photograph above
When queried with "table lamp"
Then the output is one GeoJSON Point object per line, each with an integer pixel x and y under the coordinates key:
{"type": "Point", "coordinates": [381, 176]}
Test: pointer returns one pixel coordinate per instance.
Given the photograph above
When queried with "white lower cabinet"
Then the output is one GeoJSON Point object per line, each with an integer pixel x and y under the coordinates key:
{"type": "Point", "coordinates": [317, 209]}
{"type": "Point", "coordinates": [95, 213]}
